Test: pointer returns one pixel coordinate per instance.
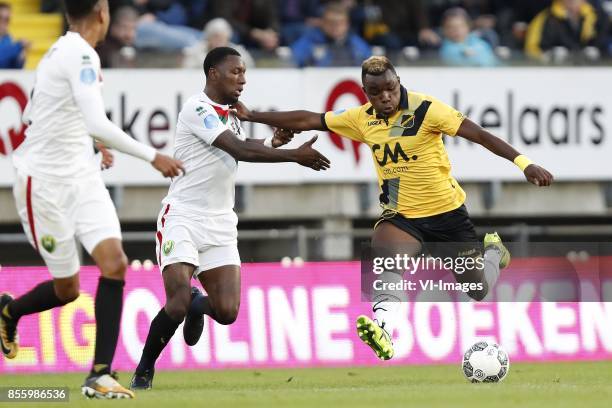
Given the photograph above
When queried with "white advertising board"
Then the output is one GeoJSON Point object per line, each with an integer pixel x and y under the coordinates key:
{"type": "Point", "coordinates": [560, 117]}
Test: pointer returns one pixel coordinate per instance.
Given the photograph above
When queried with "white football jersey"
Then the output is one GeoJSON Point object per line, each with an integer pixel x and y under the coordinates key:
{"type": "Point", "coordinates": [57, 144]}
{"type": "Point", "coordinates": [208, 187]}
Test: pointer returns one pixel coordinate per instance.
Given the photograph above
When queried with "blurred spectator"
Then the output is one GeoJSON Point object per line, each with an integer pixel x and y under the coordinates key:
{"type": "Point", "coordinates": [255, 21]}
{"type": "Point", "coordinates": [460, 46]}
{"type": "Point", "coordinates": [118, 48]}
{"type": "Point", "coordinates": [197, 12]}
{"type": "Point", "coordinates": [12, 53]}
{"type": "Point", "coordinates": [296, 16]}
{"type": "Point", "coordinates": [333, 44]}
{"type": "Point", "coordinates": [403, 23]}
{"type": "Point", "coordinates": [51, 6]}
{"type": "Point", "coordinates": [514, 18]}
{"type": "Point", "coordinates": [483, 14]}
{"type": "Point", "coordinates": [573, 25]}
{"type": "Point", "coordinates": [217, 33]}
{"type": "Point", "coordinates": [163, 26]}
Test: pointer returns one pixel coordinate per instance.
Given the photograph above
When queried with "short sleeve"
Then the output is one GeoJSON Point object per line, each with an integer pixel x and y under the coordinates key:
{"type": "Point", "coordinates": [202, 121]}
{"type": "Point", "coordinates": [345, 123]}
{"type": "Point", "coordinates": [83, 72]}
{"type": "Point", "coordinates": [444, 118]}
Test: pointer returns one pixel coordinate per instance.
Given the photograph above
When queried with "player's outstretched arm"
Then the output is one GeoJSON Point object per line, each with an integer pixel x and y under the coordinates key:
{"type": "Point", "coordinates": [241, 150]}
{"type": "Point", "coordinates": [280, 138]}
{"type": "Point", "coordinates": [533, 173]}
{"type": "Point", "coordinates": [295, 120]}
{"type": "Point", "coordinates": [100, 127]}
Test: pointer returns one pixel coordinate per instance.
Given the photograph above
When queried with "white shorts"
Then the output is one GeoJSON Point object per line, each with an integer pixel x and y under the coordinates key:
{"type": "Point", "coordinates": [204, 242]}
{"type": "Point", "coordinates": [53, 214]}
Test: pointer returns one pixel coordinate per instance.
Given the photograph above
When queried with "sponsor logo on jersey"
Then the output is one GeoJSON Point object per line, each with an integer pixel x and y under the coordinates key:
{"type": "Point", "coordinates": [48, 242]}
{"type": "Point", "coordinates": [199, 110]}
{"type": "Point", "coordinates": [211, 121]}
{"type": "Point", "coordinates": [392, 154]}
{"type": "Point", "coordinates": [375, 122]}
{"type": "Point", "coordinates": [88, 76]}
{"type": "Point", "coordinates": [168, 247]}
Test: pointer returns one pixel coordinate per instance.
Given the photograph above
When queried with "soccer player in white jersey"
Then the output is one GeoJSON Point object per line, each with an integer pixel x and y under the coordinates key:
{"type": "Point", "coordinates": [60, 194]}
{"type": "Point", "coordinates": [197, 233]}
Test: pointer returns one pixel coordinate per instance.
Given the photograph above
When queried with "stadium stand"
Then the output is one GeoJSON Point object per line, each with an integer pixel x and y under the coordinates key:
{"type": "Point", "coordinates": [41, 29]}
{"type": "Point", "coordinates": [410, 33]}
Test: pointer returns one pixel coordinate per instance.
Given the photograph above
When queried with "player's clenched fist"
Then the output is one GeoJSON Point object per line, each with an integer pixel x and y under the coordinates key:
{"type": "Point", "coordinates": [538, 175]}
{"type": "Point", "coordinates": [309, 157]}
{"type": "Point", "coordinates": [282, 137]}
{"type": "Point", "coordinates": [108, 159]}
{"type": "Point", "coordinates": [168, 166]}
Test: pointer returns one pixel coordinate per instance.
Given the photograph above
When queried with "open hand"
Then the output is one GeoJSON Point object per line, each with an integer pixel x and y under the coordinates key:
{"type": "Point", "coordinates": [309, 157]}
{"type": "Point", "coordinates": [538, 175]}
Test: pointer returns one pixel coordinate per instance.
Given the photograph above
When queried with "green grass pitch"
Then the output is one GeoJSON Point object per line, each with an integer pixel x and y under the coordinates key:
{"type": "Point", "coordinates": [581, 385]}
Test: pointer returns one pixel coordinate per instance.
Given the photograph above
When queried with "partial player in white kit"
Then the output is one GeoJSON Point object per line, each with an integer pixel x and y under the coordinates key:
{"type": "Point", "coordinates": [60, 195]}
{"type": "Point", "coordinates": [196, 233]}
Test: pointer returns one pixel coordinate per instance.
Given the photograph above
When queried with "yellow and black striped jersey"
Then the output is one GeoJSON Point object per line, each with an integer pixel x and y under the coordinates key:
{"type": "Point", "coordinates": [411, 162]}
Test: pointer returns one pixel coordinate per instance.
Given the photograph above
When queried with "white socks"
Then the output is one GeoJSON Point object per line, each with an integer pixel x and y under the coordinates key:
{"type": "Point", "coordinates": [386, 303]}
{"type": "Point", "coordinates": [492, 257]}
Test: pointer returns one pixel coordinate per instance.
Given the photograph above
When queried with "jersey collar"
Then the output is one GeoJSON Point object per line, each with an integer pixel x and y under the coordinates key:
{"type": "Point", "coordinates": [75, 34]}
{"type": "Point", "coordinates": [403, 104]}
{"type": "Point", "coordinates": [222, 110]}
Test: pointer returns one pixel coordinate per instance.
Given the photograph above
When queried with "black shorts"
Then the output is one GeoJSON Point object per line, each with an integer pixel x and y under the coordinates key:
{"type": "Point", "coordinates": [448, 234]}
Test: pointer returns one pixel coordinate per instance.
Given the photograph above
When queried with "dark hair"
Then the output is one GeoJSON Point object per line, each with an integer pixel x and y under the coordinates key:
{"type": "Point", "coordinates": [5, 5]}
{"type": "Point", "coordinates": [216, 56]}
{"type": "Point", "coordinates": [456, 12]}
{"type": "Point", "coordinates": [335, 7]}
{"type": "Point", "coordinates": [79, 8]}
{"type": "Point", "coordinates": [376, 66]}
{"type": "Point", "coordinates": [124, 13]}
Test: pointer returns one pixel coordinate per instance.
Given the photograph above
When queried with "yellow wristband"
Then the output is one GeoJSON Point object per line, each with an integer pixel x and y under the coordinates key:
{"type": "Point", "coordinates": [522, 162]}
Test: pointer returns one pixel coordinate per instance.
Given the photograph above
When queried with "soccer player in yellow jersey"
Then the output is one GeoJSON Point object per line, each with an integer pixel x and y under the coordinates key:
{"type": "Point", "coordinates": [422, 202]}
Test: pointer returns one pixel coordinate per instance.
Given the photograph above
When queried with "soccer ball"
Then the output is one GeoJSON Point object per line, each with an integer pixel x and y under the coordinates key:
{"type": "Point", "coordinates": [485, 361]}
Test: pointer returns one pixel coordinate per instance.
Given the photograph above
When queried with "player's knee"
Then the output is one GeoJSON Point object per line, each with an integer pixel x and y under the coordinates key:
{"type": "Point", "coordinates": [176, 311]}
{"type": "Point", "coordinates": [67, 293]}
{"type": "Point", "coordinates": [177, 305]}
{"type": "Point", "coordinates": [227, 312]}
{"type": "Point", "coordinates": [115, 267]}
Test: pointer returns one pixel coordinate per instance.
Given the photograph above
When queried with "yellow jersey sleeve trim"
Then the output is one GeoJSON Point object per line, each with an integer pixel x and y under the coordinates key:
{"type": "Point", "coordinates": [345, 123]}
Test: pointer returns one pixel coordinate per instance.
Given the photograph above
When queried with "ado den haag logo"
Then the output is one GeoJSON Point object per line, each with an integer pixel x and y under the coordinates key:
{"type": "Point", "coordinates": [15, 136]}
{"type": "Point", "coordinates": [168, 247]}
{"type": "Point", "coordinates": [48, 242]}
